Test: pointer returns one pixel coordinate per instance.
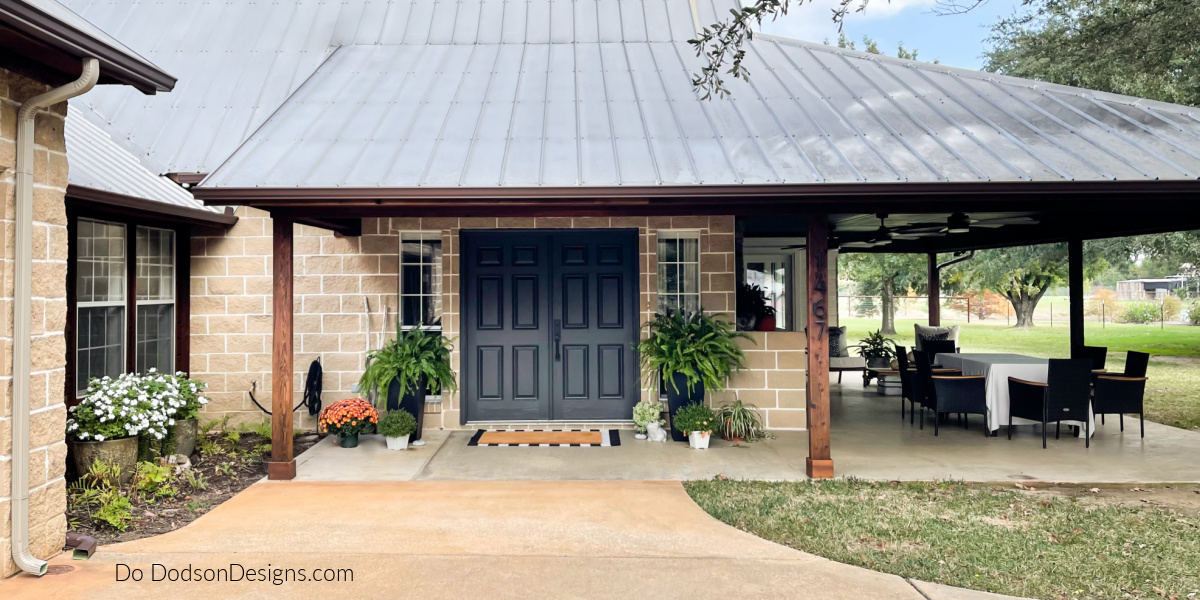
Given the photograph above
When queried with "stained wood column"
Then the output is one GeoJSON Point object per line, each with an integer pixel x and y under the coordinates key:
{"type": "Point", "coordinates": [935, 291]}
{"type": "Point", "coordinates": [283, 464]}
{"type": "Point", "coordinates": [1075, 285]}
{"type": "Point", "coordinates": [819, 463]}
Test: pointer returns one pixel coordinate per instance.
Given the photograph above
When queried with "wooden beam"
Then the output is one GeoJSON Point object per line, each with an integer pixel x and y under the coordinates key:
{"type": "Point", "coordinates": [1075, 287]}
{"type": "Point", "coordinates": [935, 291]}
{"type": "Point", "coordinates": [340, 227]}
{"type": "Point", "coordinates": [819, 464]}
{"type": "Point", "coordinates": [283, 464]}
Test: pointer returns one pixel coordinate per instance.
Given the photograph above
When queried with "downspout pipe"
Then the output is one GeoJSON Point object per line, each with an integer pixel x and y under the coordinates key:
{"type": "Point", "coordinates": [22, 308]}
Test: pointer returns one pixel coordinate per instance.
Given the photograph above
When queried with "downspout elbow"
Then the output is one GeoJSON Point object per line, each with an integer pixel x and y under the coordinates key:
{"type": "Point", "coordinates": [22, 308]}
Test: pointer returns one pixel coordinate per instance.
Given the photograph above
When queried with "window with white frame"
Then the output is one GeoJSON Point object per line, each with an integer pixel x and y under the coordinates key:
{"type": "Point", "coordinates": [155, 325]}
{"type": "Point", "coordinates": [421, 279]}
{"type": "Point", "coordinates": [100, 301]}
{"type": "Point", "coordinates": [772, 275]}
{"type": "Point", "coordinates": [679, 271]}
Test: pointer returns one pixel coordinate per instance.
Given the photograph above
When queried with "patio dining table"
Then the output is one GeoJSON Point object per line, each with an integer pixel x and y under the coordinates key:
{"type": "Point", "coordinates": [997, 368]}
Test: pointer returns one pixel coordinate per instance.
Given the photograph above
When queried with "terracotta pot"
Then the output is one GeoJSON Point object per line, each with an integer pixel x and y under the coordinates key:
{"type": "Point", "coordinates": [185, 436]}
{"type": "Point", "coordinates": [122, 452]}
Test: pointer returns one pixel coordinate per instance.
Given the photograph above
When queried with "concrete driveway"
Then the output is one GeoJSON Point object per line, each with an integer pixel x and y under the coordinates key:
{"type": "Point", "coordinates": [432, 539]}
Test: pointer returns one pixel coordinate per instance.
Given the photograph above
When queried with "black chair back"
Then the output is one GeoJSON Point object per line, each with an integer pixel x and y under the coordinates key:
{"type": "Point", "coordinates": [1135, 364]}
{"type": "Point", "coordinates": [1070, 381]}
{"type": "Point", "coordinates": [923, 386]}
{"type": "Point", "coordinates": [1097, 354]}
{"type": "Point", "coordinates": [934, 348]}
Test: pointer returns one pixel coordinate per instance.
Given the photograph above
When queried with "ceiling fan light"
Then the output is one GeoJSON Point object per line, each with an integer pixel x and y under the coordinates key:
{"type": "Point", "coordinates": [958, 223]}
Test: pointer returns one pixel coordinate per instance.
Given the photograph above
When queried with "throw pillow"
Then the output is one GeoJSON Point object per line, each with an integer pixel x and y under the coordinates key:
{"type": "Point", "coordinates": [835, 340]}
{"type": "Point", "coordinates": [935, 337]}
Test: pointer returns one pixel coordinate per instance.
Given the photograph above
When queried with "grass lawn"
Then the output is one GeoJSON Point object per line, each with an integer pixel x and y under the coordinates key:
{"type": "Point", "coordinates": [977, 536]}
{"type": "Point", "coordinates": [1172, 394]}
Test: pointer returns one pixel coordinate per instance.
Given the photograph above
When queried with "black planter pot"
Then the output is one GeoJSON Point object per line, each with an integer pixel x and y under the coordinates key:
{"type": "Point", "coordinates": [412, 400]}
{"type": "Point", "coordinates": [680, 399]}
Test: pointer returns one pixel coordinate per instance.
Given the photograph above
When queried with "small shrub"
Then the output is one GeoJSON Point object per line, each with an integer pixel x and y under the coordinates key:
{"type": "Point", "coordinates": [1172, 306]}
{"type": "Point", "coordinates": [154, 481]}
{"type": "Point", "coordinates": [1140, 312]}
{"type": "Point", "coordinates": [1194, 312]}
{"type": "Point", "coordinates": [98, 492]}
{"type": "Point", "coordinates": [397, 423]}
{"type": "Point", "coordinates": [695, 417]}
{"type": "Point", "coordinates": [226, 469]}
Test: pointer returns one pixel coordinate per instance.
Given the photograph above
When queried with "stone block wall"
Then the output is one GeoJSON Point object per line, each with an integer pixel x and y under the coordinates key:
{"type": "Point", "coordinates": [346, 302]}
{"type": "Point", "coordinates": [48, 450]}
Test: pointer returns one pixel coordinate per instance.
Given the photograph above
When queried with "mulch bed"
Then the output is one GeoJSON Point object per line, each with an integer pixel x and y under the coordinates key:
{"type": "Point", "coordinates": [188, 505]}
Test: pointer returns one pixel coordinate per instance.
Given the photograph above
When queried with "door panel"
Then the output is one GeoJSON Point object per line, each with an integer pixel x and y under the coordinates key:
{"type": "Point", "coordinates": [562, 346]}
{"type": "Point", "coordinates": [506, 326]}
{"type": "Point", "coordinates": [594, 299]}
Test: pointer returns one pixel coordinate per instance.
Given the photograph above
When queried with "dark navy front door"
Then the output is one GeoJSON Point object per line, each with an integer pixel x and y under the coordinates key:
{"type": "Point", "coordinates": [549, 322]}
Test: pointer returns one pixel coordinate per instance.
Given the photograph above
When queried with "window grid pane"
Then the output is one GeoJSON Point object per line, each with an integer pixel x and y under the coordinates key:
{"type": "Point", "coordinates": [678, 273]}
{"type": "Point", "coordinates": [421, 279]}
{"type": "Point", "coordinates": [100, 262]}
{"type": "Point", "coordinates": [101, 344]}
{"type": "Point", "coordinates": [155, 264]}
{"type": "Point", "coordinates": [156, 338]}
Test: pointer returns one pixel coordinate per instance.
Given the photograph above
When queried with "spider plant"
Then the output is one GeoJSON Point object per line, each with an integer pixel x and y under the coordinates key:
{"type": "Point", "coordinates": [739, 420]}
{"type": "Point", "coordinates": [699, 346]}
{"type": "Point", "coordinates": [413, 354]}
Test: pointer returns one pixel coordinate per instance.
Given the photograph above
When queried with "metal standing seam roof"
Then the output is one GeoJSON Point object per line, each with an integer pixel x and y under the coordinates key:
{"type": "Point", "coordinates": [97, 162]}
{"type": "Point", "coordinates": [487, 93]}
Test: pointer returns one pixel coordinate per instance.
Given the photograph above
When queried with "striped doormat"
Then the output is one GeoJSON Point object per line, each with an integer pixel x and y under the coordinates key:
{"type": "Point", "coordinates": [529, 437]}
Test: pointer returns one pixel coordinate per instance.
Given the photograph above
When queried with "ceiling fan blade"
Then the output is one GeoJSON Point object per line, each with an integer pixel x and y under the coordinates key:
{"type": "Point", "coordinates": [1005, 221]}
{"type": "Point", "coordinates": [858, 245]}
{"type": "Point", "coordinates": [793, 247]}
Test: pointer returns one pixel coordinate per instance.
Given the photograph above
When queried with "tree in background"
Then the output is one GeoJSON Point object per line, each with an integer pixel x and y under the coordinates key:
{"type": "Point", "coordinates": [1144, 48]}
{"type": "Point", "coordinates": [1023, 274]}
{"type": "Point", "coordinates": [886, 275]}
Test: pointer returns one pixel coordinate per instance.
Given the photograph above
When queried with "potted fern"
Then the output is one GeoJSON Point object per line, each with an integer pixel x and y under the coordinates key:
{"type": "Point", "coordinates": [405, 368]}
{"type": "Point", "coordinates": [688, 354]}
{"type": "Point", "coordinates": [395, 427]}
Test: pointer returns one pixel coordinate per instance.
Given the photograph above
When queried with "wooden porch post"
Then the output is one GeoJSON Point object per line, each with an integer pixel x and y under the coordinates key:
{"type": "Point", "coordinates": [283, 464]}
{"type": "Point", "coordinates": [819, 464]}
{"type": "Point", "coordinates": [1075, 286]}
{"type": "Point", "coordinates": [935, 291]}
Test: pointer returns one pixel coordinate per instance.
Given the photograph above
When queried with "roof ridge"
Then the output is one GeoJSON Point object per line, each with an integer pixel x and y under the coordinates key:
{"type": "Point", "coordinates": [974, 74]}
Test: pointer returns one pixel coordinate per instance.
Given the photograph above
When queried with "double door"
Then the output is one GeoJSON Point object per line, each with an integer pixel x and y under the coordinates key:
{"type": "Point", "coordinates": [549, 322]}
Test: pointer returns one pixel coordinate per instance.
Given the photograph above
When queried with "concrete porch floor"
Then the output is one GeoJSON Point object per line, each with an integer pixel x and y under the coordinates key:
{"type": "Point", "coordinates": [869, 440]}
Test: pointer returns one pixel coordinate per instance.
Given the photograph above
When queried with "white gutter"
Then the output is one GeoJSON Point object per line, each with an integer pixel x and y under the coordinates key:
{"type": "Point", "coordinates": [22, 309]}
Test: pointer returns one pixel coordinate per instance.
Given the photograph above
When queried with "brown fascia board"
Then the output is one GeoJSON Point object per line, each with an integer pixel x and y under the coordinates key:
{"type": "Point", "coordinates": [115, 63]}
{"type": "Point", "coordinates": [173, 212]}
{"type": "Point", "coordinates": [816, 192]}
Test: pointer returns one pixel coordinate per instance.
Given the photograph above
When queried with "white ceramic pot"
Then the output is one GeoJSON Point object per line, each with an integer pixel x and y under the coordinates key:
{"type": "Point", "coordinates": [699, 439]}
{"type": "Point", "coordinates": [639, 436]}
{"type": "Point", "coordinates": [397, 443]}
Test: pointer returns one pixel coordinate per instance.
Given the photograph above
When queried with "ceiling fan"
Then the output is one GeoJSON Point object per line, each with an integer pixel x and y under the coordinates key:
{"type": "Point", "coordinates": [956, 223]}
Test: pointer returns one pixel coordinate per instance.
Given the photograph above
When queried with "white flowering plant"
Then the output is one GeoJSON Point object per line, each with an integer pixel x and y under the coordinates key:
{"type": "Point", "coordinates": [135, 405]}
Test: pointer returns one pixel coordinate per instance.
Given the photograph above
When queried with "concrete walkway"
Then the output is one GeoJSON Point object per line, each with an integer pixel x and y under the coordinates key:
{"type": "Point", "coordinates": [471, 539]}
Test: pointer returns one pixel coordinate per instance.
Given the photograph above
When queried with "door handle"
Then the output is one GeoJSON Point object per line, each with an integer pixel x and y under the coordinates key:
{"type": "Point", "coordinates": [557, 339]}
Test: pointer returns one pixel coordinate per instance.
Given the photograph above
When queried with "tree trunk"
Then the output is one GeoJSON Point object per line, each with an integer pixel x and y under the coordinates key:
{"type": "Point", "coordinates": [1023, 305]}
{"type": "Point", "coordinates": [889, 307]}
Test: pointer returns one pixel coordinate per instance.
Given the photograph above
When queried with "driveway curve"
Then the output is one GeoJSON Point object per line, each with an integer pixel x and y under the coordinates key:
{"type": "Point", "coordinates": [427, 539]}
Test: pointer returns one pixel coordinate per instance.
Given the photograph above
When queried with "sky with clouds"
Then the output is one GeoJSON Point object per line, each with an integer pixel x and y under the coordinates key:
{"type": "Point", "coordinates": [957, 40]}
